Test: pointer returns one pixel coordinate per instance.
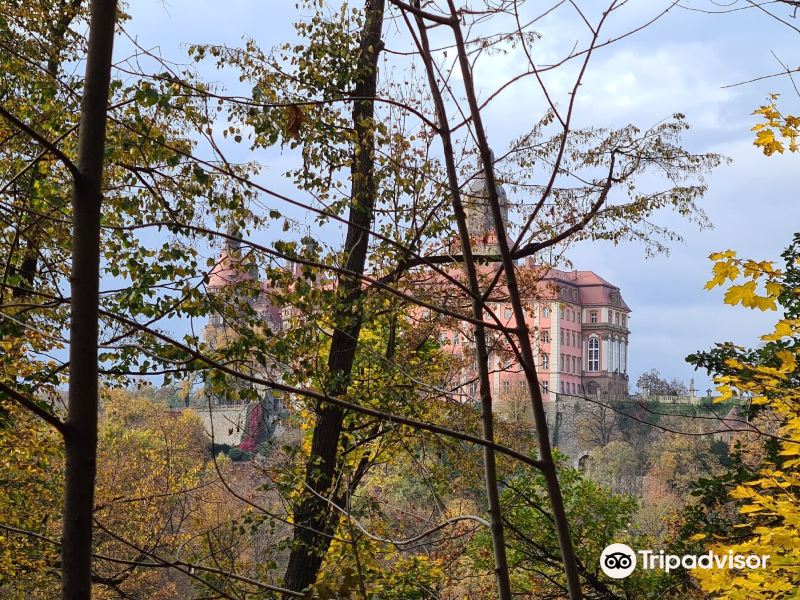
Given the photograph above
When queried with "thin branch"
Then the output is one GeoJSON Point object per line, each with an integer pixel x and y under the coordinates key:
{"type": "Point", "coordinates": [43, 141]}
{"type": "Point", "coordinates": [31, 405]}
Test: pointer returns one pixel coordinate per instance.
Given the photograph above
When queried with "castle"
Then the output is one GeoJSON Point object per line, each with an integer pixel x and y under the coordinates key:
{"type": "Point", "coordinates": [579, 322]}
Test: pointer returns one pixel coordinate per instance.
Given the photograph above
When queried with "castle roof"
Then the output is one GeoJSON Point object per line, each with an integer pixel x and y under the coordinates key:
{"type": "Point", "coordinates": [592, 289]}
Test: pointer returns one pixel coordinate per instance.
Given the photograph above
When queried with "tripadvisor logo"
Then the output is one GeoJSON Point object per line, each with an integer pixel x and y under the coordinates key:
{"type": "Point", "coordinates": [619, 560]}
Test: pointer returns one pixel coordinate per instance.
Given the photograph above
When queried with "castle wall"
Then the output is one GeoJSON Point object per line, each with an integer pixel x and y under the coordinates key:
{"type": "Point", "coordinates": [228, 423]}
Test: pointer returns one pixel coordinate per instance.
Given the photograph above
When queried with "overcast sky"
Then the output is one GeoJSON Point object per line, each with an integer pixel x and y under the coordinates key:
{"type": "Point", "coordinates": [679, 64]}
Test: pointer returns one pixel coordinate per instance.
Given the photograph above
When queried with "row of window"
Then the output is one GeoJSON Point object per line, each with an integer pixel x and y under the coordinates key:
{"type": "Point", "coordinates": [569, 338]}
{"type": "Point", "coordinates": [568, 314]}
{"type": "Point", "coordinates": [570, 388]}
{"type": "Point", "coordinates": [567, 363]}
{"type": "Point", "coordinates": [570, 364]}
{"type": "Point", "coordinates": [567, 387]}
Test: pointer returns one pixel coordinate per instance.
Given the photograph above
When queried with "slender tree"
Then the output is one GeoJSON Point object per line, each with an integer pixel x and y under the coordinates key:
{"type": "Point", "coordinates": [81, 427]}
{"type": "Point", "coordinates": [315, 523]}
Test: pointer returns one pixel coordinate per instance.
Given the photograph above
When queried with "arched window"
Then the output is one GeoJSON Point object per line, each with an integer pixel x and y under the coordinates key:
{"type": "Point", "coordinates": [594, 354]}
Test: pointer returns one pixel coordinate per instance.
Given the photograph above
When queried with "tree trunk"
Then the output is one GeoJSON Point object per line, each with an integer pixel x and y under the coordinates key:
{"type": "Point", "coordinates": [313, 523]}
{"type": "Point", "coordinates": [81, 426]}
{"type": "Point", "coordinates": [481, 349]}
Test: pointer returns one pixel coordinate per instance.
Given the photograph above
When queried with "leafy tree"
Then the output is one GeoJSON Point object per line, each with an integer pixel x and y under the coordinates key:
{"type": "Point", "coordinates": [659, 386]}
{"type": "Point", "coordinates": [598, 516]}
{"type": "Point", "coordinates": [123, 177]}
{"type": "Point", "coordinates": [765, 498]}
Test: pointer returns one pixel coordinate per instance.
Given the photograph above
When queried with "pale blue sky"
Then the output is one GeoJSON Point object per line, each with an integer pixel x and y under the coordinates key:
{"type": "Point", "coordinates": [679, 64]}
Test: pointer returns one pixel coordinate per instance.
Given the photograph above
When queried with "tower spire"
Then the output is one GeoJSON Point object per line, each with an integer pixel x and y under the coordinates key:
{"type": "Point", "coordinates": [479, 215]}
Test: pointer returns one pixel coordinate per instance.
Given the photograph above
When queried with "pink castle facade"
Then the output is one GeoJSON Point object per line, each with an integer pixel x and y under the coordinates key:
{"type": "Point", "coordinates": [579, 326]}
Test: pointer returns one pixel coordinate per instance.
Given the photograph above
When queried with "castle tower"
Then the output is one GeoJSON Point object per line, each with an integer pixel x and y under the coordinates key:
{"type": "Point", "coordinates": [480, 221]}
{"type": "Point", "coordinates": [233, 269]}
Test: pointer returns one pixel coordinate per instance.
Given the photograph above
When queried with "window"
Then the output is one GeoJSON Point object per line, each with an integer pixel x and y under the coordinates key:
{"type": "Point", "coordinates": [546, 312]}
{"type": "Point", "coordinates": [506, 387]}
{"type": "Point", "coordinates": [561, 336]}
{"type": "Point", "coordinates": [593, 316]}
{"type": "Point", "coordinates": [473, 388]}
{"type": "Point", "coordinates": [545, 361]}
{"type": "Point", "coordinates": [545, 337]}
{"type": "Point", "coordinates": [561, 363]}
{"type": "Point", "coordinates": [616, 318]}
{"type": "Point", "coordinates": [624, 320]}
{"type": "Point", "coordinates": [574, 365]}
{"type": "Point", "coordinates": [562, 387]}
{"type": "Point", "coordinates": [561, 312]}
{"type": "Point", "coordinates": [594, 354]}
{"type": "Point", "coordinates": [623, 353]}
{"type": "Point", "coordinates": [507, 313]}
{"type": "Point", "coordinates": [574, 340]}
{"type": "Point", "coordinates": [545, 386]}
{"type": "Point", "coordinates": [455, 339]}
